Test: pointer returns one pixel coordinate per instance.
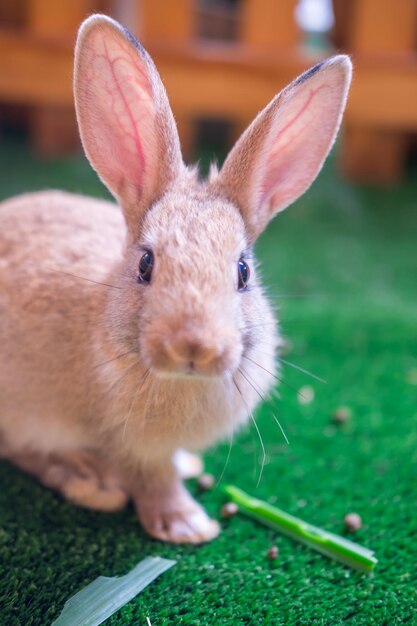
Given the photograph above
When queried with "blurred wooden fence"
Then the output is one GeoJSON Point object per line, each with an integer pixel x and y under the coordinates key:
{"type": "Point", "coordinates": [381, 35]}
{"type": "Point", "coordinates": [259, 51]}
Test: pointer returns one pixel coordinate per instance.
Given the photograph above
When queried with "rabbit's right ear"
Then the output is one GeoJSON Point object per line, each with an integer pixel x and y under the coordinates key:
{"type": "Point", "coordinates": [125, 121]}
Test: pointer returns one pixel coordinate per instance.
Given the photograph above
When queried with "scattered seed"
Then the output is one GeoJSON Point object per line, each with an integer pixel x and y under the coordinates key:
{"type": "Point", "coordinates": [273, 553]}
{"type": "Point", "coordinates": [342, 415]}
{"type": "Point", "coordinates": [353, 522]}
{"type": "Point", "coordinates": [205, 482]}
{"type": "Point", "coordinates": [305, 395]}
{"type": "Point", "coordinates": [229, 510]}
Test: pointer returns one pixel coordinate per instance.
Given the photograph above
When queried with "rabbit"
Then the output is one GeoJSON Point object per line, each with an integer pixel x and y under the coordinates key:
{"type": "Point", "coordinates": [135, 330]}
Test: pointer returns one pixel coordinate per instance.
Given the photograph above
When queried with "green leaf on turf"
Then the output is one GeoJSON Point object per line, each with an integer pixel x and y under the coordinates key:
{"type": "Point", "coordinates": [333, 546]}
{"type": "Point", "coordinates": [104, 596]}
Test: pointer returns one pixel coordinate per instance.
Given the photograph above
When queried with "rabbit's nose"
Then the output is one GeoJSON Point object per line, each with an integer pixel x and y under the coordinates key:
{"type": "Point", "coordinates": [173, 351]}
{"type": "Point", "coordinates": [193, 354]}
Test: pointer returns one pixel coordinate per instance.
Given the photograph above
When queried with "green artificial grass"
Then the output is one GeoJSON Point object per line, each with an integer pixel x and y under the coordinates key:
{"type": "Point", "coordinates": [352, 254]}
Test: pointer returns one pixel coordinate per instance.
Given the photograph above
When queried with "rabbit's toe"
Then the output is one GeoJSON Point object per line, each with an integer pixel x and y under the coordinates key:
{"type": "Point", "coordinates": [177, 520]}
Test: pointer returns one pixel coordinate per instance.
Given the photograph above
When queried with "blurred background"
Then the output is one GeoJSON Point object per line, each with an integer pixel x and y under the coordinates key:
{"type": "Point", "coordinates": [221, 61]}
{"type": "Point", "coordinates": [341, 267]}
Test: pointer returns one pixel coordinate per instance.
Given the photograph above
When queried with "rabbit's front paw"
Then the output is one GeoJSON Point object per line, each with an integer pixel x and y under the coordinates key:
{"type": "Point", "coordinates": [176, 517]}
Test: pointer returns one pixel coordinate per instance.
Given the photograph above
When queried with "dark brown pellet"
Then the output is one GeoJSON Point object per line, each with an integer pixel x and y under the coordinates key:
{"type": "Point", "coordinates": [342, 415]}
{"type": "Point", "coordinates": [273, 553]}
{"type": "Point", "coordinates": [205, 482]}
{"type": "Point", "coordinates": [229, 509]}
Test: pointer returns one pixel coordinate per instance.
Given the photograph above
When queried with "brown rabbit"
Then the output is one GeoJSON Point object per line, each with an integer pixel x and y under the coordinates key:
{"type": "Point", "coordinates": [130, 332]}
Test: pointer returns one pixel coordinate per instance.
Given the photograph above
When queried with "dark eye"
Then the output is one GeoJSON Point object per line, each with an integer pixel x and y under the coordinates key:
{"type": "Point", "coordinates": [243, 274]}
{"type": "Point", "coordinates": [145, 267]}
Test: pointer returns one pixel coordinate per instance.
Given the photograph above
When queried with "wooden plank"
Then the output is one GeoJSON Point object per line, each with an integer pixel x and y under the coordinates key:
{"type": "Point", "coordinates": [11, 13]}
{"type": "Point", "coordinates": [35, 72]}
{"type": "Point", "coordinates": [373, 155]}
{"type": "Point", "coordinates": [166, 20]}
{"type": "Point", "coordinates": [269, 23]}
{"type": "Point", "coordinates": [384, 95]}
{"type": "Point", "coordinates": [342, 27]}
{"type": "Point", "coordinates": [219, 91]}
{"type": "Point", "coordinates": [31, 71]}
{"type": "Point", "coordinates": [383, 27]}
{"type": "Point", "coordinates": [57, 19]}
{"type": "Point", "coordinates": [383, 102]}
{"type": "Point", "coordinates": [54, 130]}
{"type": "Point", "coordinates": [381, 95]}
{"type": "Point", "coordinates": [200, 82]}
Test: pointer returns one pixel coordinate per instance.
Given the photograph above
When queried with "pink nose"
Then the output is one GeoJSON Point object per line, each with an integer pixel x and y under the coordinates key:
{"type": "Point", "coordinates": [192, 348]}
{"type": "Point", "coordinates": [192, 354]}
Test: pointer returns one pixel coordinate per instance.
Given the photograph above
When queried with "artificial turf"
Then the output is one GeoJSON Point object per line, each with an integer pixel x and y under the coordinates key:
{"type": "Point", "coordinates": [351, 253]}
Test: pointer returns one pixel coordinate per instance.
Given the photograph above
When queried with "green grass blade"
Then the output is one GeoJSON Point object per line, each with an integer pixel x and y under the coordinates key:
{"type": "Point", "coordinates": [333, 546]}
{"type": "Point", "coordinates": [104, 596]}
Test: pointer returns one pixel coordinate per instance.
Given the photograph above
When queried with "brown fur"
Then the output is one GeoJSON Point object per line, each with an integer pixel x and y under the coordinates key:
{"type": "Point", "coordinates": [96, 391]}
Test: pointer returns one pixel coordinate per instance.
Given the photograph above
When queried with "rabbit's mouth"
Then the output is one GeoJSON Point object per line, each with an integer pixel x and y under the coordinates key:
{"type": "Point", "coordinates": [191, 355]}
{"type": "Point", "coordinates": [191, 370]}
{"type": "Point", "coordinates": [184, 374]}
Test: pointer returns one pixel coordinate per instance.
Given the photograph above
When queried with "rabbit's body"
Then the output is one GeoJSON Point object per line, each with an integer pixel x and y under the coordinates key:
{"type": "Point", "coordinates": [72, 383]}
{"type": "Point", "coordinates": [129, 333]}
{"type": "Point", "coordinates": [48, 317]}
{"type": "Point", "coordinates": [62, 391]}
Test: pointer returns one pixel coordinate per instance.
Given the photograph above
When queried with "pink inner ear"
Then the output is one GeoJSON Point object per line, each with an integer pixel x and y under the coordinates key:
{"type": "Point", "coordinates": [299, 144]}
{"type": "Point", "coordinates": [281, 152]}
{"type": "Point", "coordinates": [116, 111]}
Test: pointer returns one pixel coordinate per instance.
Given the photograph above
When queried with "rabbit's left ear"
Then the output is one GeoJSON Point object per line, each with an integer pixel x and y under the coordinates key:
{"type": "Point", "coordinates": [282, 151]}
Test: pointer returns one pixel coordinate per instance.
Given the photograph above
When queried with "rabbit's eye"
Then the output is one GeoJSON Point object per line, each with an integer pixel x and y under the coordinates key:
{"type": "Point", "coordinates": [243, 274]}
{"type": "Point", "coordinates": [145, 267]}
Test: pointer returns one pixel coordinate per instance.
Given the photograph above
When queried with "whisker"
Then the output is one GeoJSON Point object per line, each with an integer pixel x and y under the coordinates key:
{"type": "Point", "coordinates": [121, 378]}
{"type": "Point", "coordinates": [248, 410]}
{"type": "Point", "coordinates": [231, 441]}
{"type": "Point", "coordinates": [90, 280]}
{"type": "Point", "coordinates": [115, 358]}
{"type": "Point", "coordinates": [229, 452]}
{"type": "Point", "coordinates": [280, 380]}
{"type": "Point", "coordinates": [301, 369]}
{"type": "Point", "coordinates": [257, 430]}
{"type": "Point", "coordinates": [246, 377]}
{"type": "Point", "coordinates": [271, 354]}
{"type": "Point", "coordinates": [263, 449]}
{"type": "Point", "coordinates": [287, 296]}
{"type": "Point", "coordinates": [251, 382]}
{"type": "Point", "coordinates": [135, 395]}
{"type": "Point", "coordinates": [280, 427]}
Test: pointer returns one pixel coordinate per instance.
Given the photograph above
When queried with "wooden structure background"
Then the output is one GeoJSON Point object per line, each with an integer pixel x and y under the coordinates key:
{"type": "Point", "coordinates": [231, 80]}
{"type": "Point", "coordinates": [382, 113]}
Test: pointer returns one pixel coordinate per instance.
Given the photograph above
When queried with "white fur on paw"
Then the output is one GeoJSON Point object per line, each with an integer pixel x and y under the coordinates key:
{"type": "Point", "coordinates": [176, 526]}
{"type": "Point", "coordinates": [188, 465]}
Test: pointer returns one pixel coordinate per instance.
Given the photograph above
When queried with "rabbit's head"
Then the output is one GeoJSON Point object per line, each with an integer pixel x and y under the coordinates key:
{"type": "Point", "coordinates": [190, 301]}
